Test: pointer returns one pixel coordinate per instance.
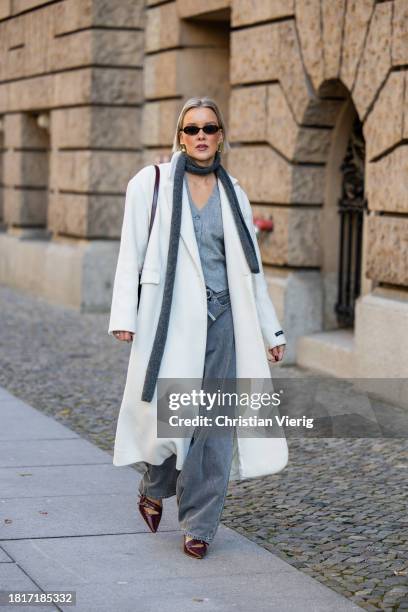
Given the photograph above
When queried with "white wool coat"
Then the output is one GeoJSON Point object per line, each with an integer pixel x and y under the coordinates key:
{"type": "Point", "coordinates": [254, 317]}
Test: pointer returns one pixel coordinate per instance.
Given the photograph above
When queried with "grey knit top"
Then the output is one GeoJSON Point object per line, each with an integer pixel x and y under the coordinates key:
{"type": "Point", "coordinates": [209, 232]}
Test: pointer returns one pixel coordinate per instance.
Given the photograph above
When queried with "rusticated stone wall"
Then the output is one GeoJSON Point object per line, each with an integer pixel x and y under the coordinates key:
{"type": "Point", "coordinates": [293, 66]}
{"type": "Point", "coordinates": [303, 51]}
{"type": "Point", "coordinates": [71, 93]}
{"type": "Point", "coordinates": [90, 91]}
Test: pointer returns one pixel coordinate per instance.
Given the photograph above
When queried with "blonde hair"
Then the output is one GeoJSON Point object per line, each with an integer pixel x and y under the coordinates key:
{"type": "Point", "coordinates": [195, 103]}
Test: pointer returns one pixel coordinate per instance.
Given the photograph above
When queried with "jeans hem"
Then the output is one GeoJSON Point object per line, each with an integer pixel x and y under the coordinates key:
{"type": "Point", "coordinates": [148, 494]}
{"type": "Point", "coordinates": [207, 539]}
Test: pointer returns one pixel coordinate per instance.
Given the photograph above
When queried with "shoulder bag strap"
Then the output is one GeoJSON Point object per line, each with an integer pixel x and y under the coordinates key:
{"type": "Point", "coordinates": [155, 195]}
{"type": "Point", "coordinates": [152, 215]}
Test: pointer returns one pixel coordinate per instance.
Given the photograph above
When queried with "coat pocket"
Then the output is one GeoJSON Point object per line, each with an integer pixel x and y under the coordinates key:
{"type": "Point", "coordinates": [150, 275]}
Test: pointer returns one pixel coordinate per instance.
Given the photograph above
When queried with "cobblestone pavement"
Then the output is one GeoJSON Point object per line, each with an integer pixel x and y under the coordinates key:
{"type": "Point", "coordinates": [338, 511]}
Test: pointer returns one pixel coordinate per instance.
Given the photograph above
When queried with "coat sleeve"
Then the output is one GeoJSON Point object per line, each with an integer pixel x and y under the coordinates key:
{"type": "Point", "coordinates": [270, 326]}
{"type": "Point", "coordinates": [132, 249]}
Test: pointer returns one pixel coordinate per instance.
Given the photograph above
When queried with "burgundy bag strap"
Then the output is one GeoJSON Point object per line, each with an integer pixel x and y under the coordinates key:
{"type": "Point", "coordinates": [152, 214]}
{"type": "Point", "coordinates": [155, 195]}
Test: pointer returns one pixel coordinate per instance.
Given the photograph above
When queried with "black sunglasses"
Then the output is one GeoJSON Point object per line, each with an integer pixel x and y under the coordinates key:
{"type": "Point", "coordinates": [192, 130]}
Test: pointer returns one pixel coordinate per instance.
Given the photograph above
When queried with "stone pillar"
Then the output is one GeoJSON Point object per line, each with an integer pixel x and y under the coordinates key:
{"type": "Point", "coordinates": [95, 122]}
{"type": "Point", "coordinates": [77, 65]}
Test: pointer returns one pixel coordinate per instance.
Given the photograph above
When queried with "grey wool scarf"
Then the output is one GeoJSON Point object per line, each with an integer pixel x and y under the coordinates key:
{"type": "Point", "coordinates": [186, 163]}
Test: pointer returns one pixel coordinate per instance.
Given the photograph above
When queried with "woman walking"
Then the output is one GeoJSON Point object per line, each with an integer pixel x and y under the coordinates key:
{"type": "Point", "coordinates": [204, 313]}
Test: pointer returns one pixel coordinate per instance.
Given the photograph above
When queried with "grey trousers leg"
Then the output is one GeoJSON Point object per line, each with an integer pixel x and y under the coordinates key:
{"type": "Point", "coordinates": [201, 485]}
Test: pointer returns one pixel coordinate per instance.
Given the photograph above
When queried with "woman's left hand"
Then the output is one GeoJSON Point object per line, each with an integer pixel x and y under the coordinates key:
{"type": "Point", "coordinates": [276, 353]}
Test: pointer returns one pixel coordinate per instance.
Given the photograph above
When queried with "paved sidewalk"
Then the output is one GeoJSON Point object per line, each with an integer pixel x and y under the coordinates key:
{"type": "Point", "coordinates": [337, 513]}
{"type": "Point", "coordinates": [69, 522]}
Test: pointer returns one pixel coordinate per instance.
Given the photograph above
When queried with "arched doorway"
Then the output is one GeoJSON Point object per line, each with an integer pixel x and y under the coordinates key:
{"type": "Point", "coordinates": [350, 207]}
{"type": "Point", "coordinates": [342, 218]}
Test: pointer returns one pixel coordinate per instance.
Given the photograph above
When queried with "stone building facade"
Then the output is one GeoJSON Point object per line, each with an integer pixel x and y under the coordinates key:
{"type": "Point", "coordinates": [315, 97]}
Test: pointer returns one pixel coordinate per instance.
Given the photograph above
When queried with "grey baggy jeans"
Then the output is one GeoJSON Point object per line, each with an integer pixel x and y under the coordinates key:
{"type": "Point", "coordinates": [201, 485]}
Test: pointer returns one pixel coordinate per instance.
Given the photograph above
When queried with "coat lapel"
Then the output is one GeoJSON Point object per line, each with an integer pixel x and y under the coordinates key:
{"type": "Point", "coordinates": [187, 232]}
{"type": "Point", "coordinates": [234, 253]}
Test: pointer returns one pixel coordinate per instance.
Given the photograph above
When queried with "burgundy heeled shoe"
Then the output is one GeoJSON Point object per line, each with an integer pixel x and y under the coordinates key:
{"type": "Point", "coordinates": [195, 548]}
{"type": "Point", "coordinates": [152, 520]}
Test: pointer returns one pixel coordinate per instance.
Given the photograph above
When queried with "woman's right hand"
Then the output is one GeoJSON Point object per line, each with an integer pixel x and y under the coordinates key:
{"type": "Point", "coordinates": [125, 336]}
